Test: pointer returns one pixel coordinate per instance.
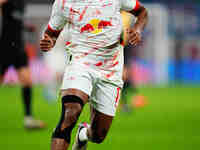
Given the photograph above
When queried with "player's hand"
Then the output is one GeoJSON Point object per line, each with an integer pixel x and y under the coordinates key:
{"type": "Point", "coordinates": [134, 36]}
{"type": "Point", "coordinates": [46, 43]}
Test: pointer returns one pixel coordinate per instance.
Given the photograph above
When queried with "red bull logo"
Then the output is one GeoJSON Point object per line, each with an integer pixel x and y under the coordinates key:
{"type": "Point", "coordinates": [95, 26]}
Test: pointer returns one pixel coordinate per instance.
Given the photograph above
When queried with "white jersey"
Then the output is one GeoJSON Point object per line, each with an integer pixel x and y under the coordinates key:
{"type": "Point", "coordinates": [95, 26]}
{"type": "Point", "coordinates": [95, 23]}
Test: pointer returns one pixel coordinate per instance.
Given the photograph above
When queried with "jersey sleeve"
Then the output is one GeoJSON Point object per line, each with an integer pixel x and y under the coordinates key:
{"type": "Point", "coordinates": [57, 20]}
{"type": "Point", "coordinates": [129, 5]}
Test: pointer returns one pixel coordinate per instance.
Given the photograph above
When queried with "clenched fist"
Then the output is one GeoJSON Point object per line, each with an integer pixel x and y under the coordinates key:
{"type": "Point", "coordinates": [134, 36]}
{"type": "Point", "coordinates": [46, 43]}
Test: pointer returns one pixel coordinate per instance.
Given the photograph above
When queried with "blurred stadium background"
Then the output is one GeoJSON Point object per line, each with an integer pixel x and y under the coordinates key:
{"type": "Point", "coordinates": [165, 68]}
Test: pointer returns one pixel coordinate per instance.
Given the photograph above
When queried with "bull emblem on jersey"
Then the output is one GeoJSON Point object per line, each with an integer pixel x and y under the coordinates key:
{"type": "Point", "coordinates": [95, 26]}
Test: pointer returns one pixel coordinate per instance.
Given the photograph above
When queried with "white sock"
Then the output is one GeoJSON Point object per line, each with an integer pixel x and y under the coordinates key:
{"type": "Point", "coordinates": [83, 135]}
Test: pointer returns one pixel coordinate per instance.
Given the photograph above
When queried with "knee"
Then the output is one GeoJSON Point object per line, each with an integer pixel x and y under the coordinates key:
{"type": "Point", "coordinates": [71, 114]}
{"type": "Point", "coordinates": [71, 110]}
{"type": "Point", "coordinates": [26, 80]}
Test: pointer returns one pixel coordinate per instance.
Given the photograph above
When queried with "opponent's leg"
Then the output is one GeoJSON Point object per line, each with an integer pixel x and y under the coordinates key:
{"type": "Point", "coordinates": [127, 86]}
{"type": "Point", "coordinates": [3, 68]}
{"type": "Point", "coordinates": [1, 79]}
{"type": "Point", "coordinates": [24, 76]}
{"type": "Point", "coordinates": [103, 102]}
{"type": "Point", "coordinates": [26, 82]}
{"type": "Point", "coordinates": [73, 101]}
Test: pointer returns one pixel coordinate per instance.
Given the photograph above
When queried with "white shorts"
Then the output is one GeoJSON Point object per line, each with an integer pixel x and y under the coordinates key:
{"type": "Point", "coordinates": [104, 95]}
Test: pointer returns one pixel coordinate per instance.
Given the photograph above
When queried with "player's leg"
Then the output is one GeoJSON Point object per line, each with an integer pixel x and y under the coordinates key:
{"type": "Point", "coordinates": [76, 89]}
{"type": "Point", "coordinates": [96, 132]}
{"type": "Point", "coordinates": [26, 83]}
{"type": "Point", "coordinates": [127, 86]}
{"type": "Point", "coordinates": [73, 101]}
{"type": "Point", "coordinates": [24, 76]}
{"type": "Point", "coordinates": [5, 60]}
{"type": "Point", "coordinates": [3, 68]}
{"type": "Point", "coordinates": [1, 78]}
{"type": "Point", "coordinates": [100, 125]}
{"type": "Point", "coordinates": [103, 108]}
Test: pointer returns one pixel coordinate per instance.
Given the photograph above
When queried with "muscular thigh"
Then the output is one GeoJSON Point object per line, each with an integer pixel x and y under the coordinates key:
{"type": "Point", "coordinates": [77, 81]}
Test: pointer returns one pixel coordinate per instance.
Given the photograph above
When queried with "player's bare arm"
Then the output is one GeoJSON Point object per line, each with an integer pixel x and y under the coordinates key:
{"type": "Point", "coordinates": [48, 40]}
{"type": "Point", "coordinates": [135, 32]}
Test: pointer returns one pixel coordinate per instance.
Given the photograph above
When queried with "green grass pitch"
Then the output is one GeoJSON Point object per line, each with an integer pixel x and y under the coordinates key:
{"type": "Point", "coordinates": [170, 121]}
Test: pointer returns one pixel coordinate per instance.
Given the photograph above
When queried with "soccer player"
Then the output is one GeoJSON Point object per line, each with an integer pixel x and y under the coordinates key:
{"type": "Point", "coordinates": [128, 21]}
{"type": "Point", "coordinates": [11, 42]}
{"type": "Point", "coordinates": [94, 74]}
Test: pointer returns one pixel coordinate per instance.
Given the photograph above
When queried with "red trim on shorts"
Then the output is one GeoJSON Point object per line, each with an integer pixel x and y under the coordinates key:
{"type": "Point", "coordinates": [137, 5]}
{"type": "Point", "coordinates": [117, 97]}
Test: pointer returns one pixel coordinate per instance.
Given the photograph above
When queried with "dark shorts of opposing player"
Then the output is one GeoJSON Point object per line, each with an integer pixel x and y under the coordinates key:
{"type": "Point", "coordinates": [127, 55]}
{"type": "Point", "coordinates": [15, 56]}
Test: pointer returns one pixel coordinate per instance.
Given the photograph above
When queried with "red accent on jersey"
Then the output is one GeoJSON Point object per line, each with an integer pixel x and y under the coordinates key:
{"type": "Point", "coordinates": [102, 24]}
{"type": "Point", "coordinates": [113, 65]}
{"type": "Point", "coordinates": [74, 11]}
{"type": "Point", "coordinates": [83, 13]}
{"type": "Point", "coordinates": [99, 64]}
{"type": "Point", "coordinates": [87, 28]}
{"type": "Point", "coordinates": [67, 43]}
{"type": "Point", "coordinates": [110, 74]}
{"type": "Point", "coordinates": [137, 5]}
{"type": "Point", "coordinates": [109, 4]}
{"type": "Point", "coordinates": [52, 30]}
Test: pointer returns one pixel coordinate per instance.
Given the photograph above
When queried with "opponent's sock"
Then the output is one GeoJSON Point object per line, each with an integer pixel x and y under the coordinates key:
{"type": "Point", "coordinates": [83, 135]}
{"type": "Point", "coordinates": [26, 97]}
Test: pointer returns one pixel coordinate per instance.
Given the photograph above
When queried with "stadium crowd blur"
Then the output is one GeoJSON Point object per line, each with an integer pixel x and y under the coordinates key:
{"type": "Point", "coordinates": [170, 51]}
